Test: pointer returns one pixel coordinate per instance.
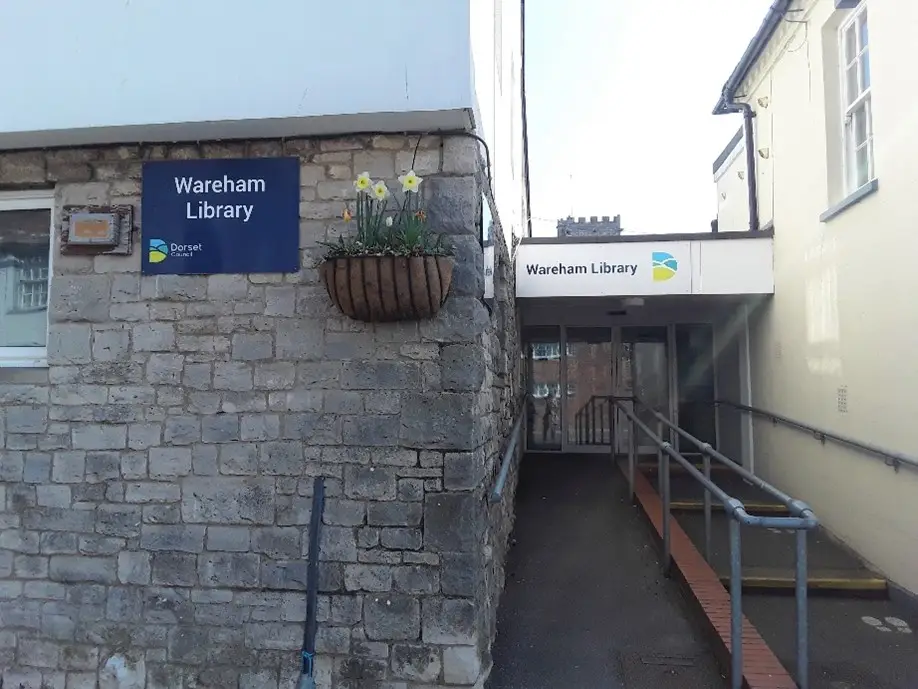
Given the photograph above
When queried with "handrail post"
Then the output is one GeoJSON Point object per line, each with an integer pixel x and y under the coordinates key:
{"type": "Point", "coordinates": [667, 558]}
{"type": "Point", "coordinates": [660, 458]}
{"type": "Point", "coordinates": [593, 414]}
{"type": "Point", "coordinates": [589, 423]}
{"type": "Point", "coordinates": [632, 445]}
{"type": "Point", "coordinates": [706, 462]}
{"type": "Point", "coordinates": [800, 584]}
{"type": "Point", "coordinates": [736, 606]}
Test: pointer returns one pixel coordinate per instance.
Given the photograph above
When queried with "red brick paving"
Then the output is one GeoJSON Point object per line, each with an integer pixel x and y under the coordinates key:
{"type": "Point", "coordinates": [761, 668]}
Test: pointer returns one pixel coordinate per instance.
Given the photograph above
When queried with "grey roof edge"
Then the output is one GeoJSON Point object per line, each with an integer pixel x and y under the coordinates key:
{"type": "Point", "coordinates": [728, 149]}
{"type": "Point", "coordinates": [753, 52]}
{"type": "Point", "coordinates": [767, 231]}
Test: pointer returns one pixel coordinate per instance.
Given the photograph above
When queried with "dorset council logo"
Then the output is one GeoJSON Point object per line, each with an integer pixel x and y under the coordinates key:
{"type": "Point", "coordinates": [664, 266]}
{"type": "Point", "coordinates": [159, 251]}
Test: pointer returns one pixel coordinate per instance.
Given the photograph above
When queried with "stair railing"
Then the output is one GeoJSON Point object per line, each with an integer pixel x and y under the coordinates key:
{"type": "Point", "coordinates": [801, 521]}
{"type": "Point", "coordinates": [893, 459]}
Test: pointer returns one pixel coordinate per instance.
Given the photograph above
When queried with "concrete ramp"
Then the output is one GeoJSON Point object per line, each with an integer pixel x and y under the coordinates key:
{"type": "Point", "coordinates": [585, 605]}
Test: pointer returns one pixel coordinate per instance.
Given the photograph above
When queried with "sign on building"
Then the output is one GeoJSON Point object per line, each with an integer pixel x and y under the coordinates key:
{"type": "Point", "coordinates": [220, 216]}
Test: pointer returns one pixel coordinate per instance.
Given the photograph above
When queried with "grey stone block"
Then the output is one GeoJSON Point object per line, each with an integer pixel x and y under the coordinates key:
{"type": "Point", "coordinates": [232, 375]}
{"type": "Point", "coordinates": [74, 568]}
{"type": "Point", "coordinates": [26, 419]}
{"type": "Point", "coordinates": [394, 513]}
{"type": "Point", "coordinates": [460, 573]}
{"type": "Point", "coordinates": [174, 569]}
{"type": "Point", "coordinates": [102, 466]}
{"type": "Point", "coordinates": [415, 662]}
{"type": "Point", "coordinates": [299, 340]}
{"type": "Point", "coordinates": [260, 427]}
{"type": "Point", "coordinates": [240, 459]}
{"type": "Point", "coordinates": [165, 369]}
{"type": "Point", "coordinates": [391, 617]}
{"type": "Point", "coordinates": [374, 483]}
{"type": "Point", "coordinates": [153, 337]}
{"type": "Point", "coordinates": [344, 512]}
{"type": "Point", "coordinates": [452, 204]}
{"type": "Point", "coordinates": [182, 430]}
{"type": "Point", "coordinates": [134, 567]}
{"type": "Point", "coordinates": [252, 346]}
{"type": "Point", "coordinates": [229, 569]}
{"type": "Point", "coordinates": [152, 492]}
{"type": "Point", "coordinates": [169, 462]}
{"type": "Point", "coordinates": [462, 319]}
{"type": "Point", "coordinates": [220, 428]}
{"type": "Point", "coordinates": [275, 375]}
{"type": "Point", "coordinates": [118, 520]}
{"type": "Point", "coordinates": [99, 437]}
{"type": "Point", "coordinates": [381, 375]}
{"type": "Point", "coordinates": [468, 269]}
{"type": "Point", "coordinates": [111, 345]}
{"type": "Point", "coordinates": [371, 430]}
{"type": "Point", "coordinates": [449, 621]}
{"type": "Point", "coordinates": [450, 522]}
{"type": "Point", "coordinates": [228, 538]}
{"type": "Point", "coordinates": [463, 470]}
{"type": "Point", "coordinates": [461, 665]}
{"type": "Point", "coordinates": [280, 543]}
{"type": "Point", "coordinates": [223, 500]}
{"type": "Point", "coordinates": [69, 344]}
{"type": "Point", "coordinates": [80, 298]}
{"type": "Point", "coordinates": [338, 544]}
{"type": "Point", "coordinates": [181, 537]}
{"type": "Point", "coordinates": [462, 367]}
{"type": "Point", "coordinates": [37, 468]}
{"type": "Point", "coordinates": [401, 539]}
{"type": "Point", "coordinates": [446, 421]}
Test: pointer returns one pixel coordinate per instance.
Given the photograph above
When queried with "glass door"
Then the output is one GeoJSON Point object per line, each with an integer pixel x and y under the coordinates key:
{"type": "Point", "coordinates": [695, 376]}
{"type": "Point", "coordinates": [542, 349]}
{"type": "Point", "coordinates": [588, 386]}
{"type": "Point", "coordinates": [642, 370]}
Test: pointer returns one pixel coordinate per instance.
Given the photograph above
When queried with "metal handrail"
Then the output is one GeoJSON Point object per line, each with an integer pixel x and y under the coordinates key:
{"type": "Point", "coordinates": [585, 420]}
{"type": "Point", "coordinates": [801, 521]}
{"type": "Point", "coordinates": [893, 459]}
{"type": "Point", "coordinates": [507, 461]}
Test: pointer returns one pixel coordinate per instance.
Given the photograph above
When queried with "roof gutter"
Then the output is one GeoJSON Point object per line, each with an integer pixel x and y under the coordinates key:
{"type": "Point", "coordinates": [727, 102]}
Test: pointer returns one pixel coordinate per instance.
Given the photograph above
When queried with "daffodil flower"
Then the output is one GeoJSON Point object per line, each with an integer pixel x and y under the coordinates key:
{"type": "Point", "coordinates": [410, 181]}
{"type": "Point", "coordinates": [389, 221]}
{"type": "Point", "coordinates": [347, 215]}
{"type": "Point", "coordinates": [380, 191]}
{"type": "Point", "coordinates": [363, 181]}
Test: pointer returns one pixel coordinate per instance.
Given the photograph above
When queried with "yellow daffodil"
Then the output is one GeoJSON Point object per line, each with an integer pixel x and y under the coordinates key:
{"type": "Point", "coordinates": [363, 182]}
{"type": "Point", "coordinates": [380, 191]}
{"type": "Point", "coordinates": [410, 181]}
{"type": "Point", "coordinates": [347, 215]}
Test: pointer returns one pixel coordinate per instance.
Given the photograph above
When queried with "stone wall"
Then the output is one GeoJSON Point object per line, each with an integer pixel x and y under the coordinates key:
{"type": "Point", "coordinates": [157, 476]}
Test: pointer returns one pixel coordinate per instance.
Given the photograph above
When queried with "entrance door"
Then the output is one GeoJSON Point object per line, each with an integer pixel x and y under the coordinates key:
{"type": "Point", "coordinates": [588, 383]}
{"type": "Point", "coordinates": [542, 346]}
{"type": "Point", "coordinates": [642, 370]}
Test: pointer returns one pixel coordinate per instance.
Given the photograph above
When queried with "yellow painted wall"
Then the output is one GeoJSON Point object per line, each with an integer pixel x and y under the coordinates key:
{"type": "Point", "coordinates": [843, 319]}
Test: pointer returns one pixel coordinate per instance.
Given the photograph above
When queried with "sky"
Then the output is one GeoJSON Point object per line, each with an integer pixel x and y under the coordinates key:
{"type": "Point", "coordinates": [619, 96]}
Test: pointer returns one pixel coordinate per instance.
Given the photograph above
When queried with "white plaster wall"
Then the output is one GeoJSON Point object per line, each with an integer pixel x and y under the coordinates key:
{"type": "Point", "coordinates": [111, 63]}
{"type": "Point", "coordinates": [841, 318]}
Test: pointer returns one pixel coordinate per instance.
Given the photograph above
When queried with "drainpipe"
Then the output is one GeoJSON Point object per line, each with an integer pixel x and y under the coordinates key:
{"type": "Point", "coordinates": [751, 181]}
{"type": "Point", "coordinates": [728, 103]}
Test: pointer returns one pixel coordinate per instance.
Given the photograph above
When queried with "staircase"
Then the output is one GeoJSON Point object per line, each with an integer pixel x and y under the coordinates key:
{"type": "Point", "coordinates": [860, 635]}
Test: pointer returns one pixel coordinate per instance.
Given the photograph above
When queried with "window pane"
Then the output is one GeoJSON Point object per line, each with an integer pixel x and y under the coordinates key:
{"type": "Point", "coordinates": [859, 117]}
{"type": "Point", "coordinates": [852, 84]}
{"type": "Point", "coordinates": [865, 70]}
{"type": "Point", "coordinates": [850, 45]}
{"type": "Point", "coordinates": [862, 170]}
{"type": "Point", "coordinates": [24, 250]}
{"type": "Point", "coordinates": [862, 25]}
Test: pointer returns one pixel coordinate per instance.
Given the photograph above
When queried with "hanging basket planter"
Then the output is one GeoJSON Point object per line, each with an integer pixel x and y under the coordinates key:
{"type": "Point", "coordinates": [378, 289]}
{"type": "Point", "coordinates": [394, 268]}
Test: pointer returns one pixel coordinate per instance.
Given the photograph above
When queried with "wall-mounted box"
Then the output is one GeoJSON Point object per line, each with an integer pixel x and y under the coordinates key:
{"type": "Point", "coordinates": [97, 230]}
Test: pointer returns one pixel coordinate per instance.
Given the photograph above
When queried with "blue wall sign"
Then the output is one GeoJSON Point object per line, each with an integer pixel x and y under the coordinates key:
{"type": "Point", "coordinates": [221, 216]}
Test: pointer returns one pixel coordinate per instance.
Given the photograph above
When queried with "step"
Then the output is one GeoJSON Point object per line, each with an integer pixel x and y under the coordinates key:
{"type": "Point", "coordinates": [752, 507]}
{"type": "Point", "coordinates": [849, 581]}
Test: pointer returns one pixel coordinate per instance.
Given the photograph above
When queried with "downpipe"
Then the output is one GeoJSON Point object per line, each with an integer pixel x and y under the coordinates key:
{"type": "Point", "coordinates": [308, 654]}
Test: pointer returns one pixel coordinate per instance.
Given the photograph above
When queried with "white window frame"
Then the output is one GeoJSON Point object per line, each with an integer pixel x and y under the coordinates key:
{"type": "Point", "coordinates": [863, 101]}
{"type": "Point", "coordinates": [30, 357]}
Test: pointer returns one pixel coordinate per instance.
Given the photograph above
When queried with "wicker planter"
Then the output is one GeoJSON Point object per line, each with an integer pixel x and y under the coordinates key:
{"type": "Point", "coordinates": [377, 289]}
